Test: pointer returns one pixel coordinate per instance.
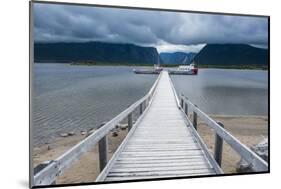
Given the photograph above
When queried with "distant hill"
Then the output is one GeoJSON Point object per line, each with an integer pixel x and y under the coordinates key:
{"type": "Point", "coordinates": [94, 52]}
{"type": "Point", "coordinates": [232, 54]}
{"type": "Point", "coordinates": [177, 58]}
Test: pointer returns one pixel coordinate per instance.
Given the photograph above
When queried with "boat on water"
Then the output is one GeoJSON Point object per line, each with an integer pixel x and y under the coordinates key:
{"type": "Point", "coordinates": [185, 70]}
{"type": "Point", "coordinates": [156, 70]}
{"type": "Point", "coordinates": [181, 70]}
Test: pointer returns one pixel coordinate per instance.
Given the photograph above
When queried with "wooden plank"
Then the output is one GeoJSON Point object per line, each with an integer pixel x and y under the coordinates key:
{"type": "Point", "coordinates": [159, 164]}
{"type": "Point", "coordinates": [160, 145]}
{"type": "Point", "coordinates": [174, 158]}
{"type": "Point", "coordinates": [161, 172]}
{"type": "Point", "coordinates": [116, 178]}
{"type": "Point", "coordinates": [170, 150]}
{"type": "Point", "coordinates": [157, 168]}
{"type": "Point", "coordinates": [152, 153]}
{"type": "Point", "coordinates": [193, 159]}
{"type": "Point", "coordinates": [153, 141]}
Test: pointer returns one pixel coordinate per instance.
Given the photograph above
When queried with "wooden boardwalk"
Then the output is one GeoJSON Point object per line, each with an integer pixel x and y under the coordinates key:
{"type": "Point", "coordinates": [162, 145]}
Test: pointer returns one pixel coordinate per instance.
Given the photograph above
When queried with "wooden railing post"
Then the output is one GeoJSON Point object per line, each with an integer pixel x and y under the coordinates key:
{"type": "Point", "coordinates": [130, 121]}
{"type": "Point", "coordinates": [218, 147]}
{"type": "Point", "coordinates": [186, 108]}
{"type": "Point", "coordinates": [145, 105]}
{"type": "Point", "coordinates": [141, 108]}
{"type": "Point", "coordinates": [195, 119]}
{"type": "Point", "coordinates": [181, 101]}
{"type": "Point", "coordinates": [103, 149]}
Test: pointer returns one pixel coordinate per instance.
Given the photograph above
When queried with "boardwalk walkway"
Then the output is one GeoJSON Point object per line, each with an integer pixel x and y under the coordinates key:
{"type": "Point", "coordinates": [162, 145]}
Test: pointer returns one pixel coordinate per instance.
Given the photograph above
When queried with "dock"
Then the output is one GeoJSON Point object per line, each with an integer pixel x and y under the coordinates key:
{"type": "Point", "coordinates": [162, 143]}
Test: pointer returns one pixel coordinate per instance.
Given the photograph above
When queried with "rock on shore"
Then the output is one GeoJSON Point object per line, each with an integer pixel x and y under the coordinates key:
{"type": "Point", "coordinates": [261, 149]}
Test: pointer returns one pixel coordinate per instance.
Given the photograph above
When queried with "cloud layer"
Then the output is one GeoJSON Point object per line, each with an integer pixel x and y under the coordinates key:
{"type": "Point", "coordinates": [167, 31]}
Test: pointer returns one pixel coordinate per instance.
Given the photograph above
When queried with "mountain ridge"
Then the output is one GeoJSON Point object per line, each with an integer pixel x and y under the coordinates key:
{"type": "Point", "coordinates": [231, 54]}
{"type": "Point", "coordinates": [94, 52]}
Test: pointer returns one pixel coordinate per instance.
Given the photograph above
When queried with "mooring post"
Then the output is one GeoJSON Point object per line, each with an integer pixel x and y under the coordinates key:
{"type": "Point", "coordinates": [103, 148]}
{"type": "Point", "coordinates": [218, 147]}
{"type": "Point", "coordinates": [130, 121]}
{"type": "Point", "coordinates": [195, 118]}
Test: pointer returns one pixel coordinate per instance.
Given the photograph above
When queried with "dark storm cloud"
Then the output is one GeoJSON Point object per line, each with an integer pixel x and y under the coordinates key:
{"type": "Point", "coordinates": [55, 23]}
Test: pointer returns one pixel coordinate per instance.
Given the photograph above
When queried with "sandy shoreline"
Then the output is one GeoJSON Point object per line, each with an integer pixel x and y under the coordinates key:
{"type": "Point", "coordinates": [250, 130]}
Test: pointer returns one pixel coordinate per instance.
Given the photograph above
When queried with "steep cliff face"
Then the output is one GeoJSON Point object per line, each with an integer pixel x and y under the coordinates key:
{"type": "Point", "coordinates": [94, 51]}
{"type": "Point", "coordinates": [232, 54]}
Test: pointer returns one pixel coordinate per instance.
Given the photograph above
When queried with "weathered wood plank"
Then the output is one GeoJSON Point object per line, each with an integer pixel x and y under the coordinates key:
{"type": "Point", "coordinates": [122, 169]}
{"type": "Point", "coordinates": [129, 149]}
{"type": "Point", "coordinates": [160, 172]}
{"type": "Point", "coordinates": [194, 159]}
{"type": "Point", "coordinates": [160, 164]}
{"type": "Point", "coordinates": [170, 158]}
{"type": "Point", "coordinates": [116, 178]}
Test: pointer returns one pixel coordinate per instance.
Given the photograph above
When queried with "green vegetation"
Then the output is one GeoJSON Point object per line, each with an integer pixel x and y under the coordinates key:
{"type": "Point", "coordinates": [92, 63]}
{"type": "Point", "coordinates": [242, 67]}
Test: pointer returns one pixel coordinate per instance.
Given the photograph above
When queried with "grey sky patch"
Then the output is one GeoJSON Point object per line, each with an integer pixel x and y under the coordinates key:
{"type": "Point", "coordinates": [165, 30]}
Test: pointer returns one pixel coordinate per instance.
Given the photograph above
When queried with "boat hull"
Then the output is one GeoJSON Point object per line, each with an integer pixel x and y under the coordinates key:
{"type": "Point", "coordinates": [146, 71]}
{"type": "Point", "coordinates": [177, 72]}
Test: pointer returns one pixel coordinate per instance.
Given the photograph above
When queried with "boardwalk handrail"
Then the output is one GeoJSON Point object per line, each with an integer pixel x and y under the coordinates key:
{"type": "Point", "coordinates": [257, 163]}
{"type": "Point", "coordinates": [57, 167]}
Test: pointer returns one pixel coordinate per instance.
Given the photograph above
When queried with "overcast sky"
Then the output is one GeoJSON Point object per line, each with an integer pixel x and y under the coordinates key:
{"type": "Point", "coordinates": [167, 31]}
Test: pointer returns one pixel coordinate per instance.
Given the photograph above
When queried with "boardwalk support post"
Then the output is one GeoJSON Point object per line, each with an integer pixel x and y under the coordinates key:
{"type": "Point", "coordinates": [103, 149]}
{"type": "Point", "coordinates": [130, 121]}
{"type": "Point", "coordinates": [218, 147]}
{"type": "Point", "coordinates": [195, 119]}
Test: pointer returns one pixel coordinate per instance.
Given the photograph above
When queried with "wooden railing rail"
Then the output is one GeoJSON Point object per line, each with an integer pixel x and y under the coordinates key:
{"type": "Point", "coordinates": [257, 163]}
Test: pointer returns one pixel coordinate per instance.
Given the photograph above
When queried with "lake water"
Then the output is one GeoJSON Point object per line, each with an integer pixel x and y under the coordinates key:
{"type": "Point", "coordinates": [226, 92]}
{"type": "Point", "coordinates": [74, 98]}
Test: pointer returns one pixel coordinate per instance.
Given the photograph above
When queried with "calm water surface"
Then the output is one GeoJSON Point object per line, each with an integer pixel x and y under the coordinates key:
{"type": "Point", "coordinates": [227, 92]}
{"type": "Point", "coordinates": [74, 98]}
